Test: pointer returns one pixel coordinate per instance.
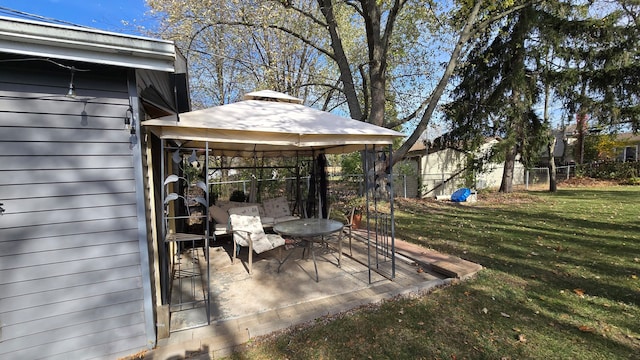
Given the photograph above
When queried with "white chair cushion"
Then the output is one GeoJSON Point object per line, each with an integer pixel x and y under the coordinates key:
{"type": "Point", "coordinates": [275, 240]}
{"type": "Point", "coordinates": [247, 220]}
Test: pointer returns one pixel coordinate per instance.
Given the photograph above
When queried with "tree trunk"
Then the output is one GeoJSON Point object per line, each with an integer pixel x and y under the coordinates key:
{"type": "Point", "coordinates": [375, 164]}
{"type": "Point", "coordinates": [553, 185]}
{"type": "Point", "coordinates": [377, 61]}
{"type": "Point", "coordinates": [340, 57]}
{"type": "Point", "coordinates": [509, 164]}
{"type": "Point", "coordinates": [581, 123]}
{"type": "Point", "coordinates": [551, 143]}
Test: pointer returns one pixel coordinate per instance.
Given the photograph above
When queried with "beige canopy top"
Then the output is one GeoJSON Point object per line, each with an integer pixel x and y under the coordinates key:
{"type": "Point", "coordinates": [268, 123]}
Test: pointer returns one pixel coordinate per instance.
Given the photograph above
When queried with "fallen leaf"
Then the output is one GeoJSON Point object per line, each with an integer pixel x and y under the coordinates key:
{"type": "Point", "coordinates": [505, 315]}
{"type": "Point", "coordinates": [521, 338]}
{"type": "Point", "coordinates": [485, 310]}
{"type": "Point", "coordinates": [634, 277]}
{"type": "Point", "coordinates": [579, 292]}
{"type": "Point", "coordinates": [588, 329]}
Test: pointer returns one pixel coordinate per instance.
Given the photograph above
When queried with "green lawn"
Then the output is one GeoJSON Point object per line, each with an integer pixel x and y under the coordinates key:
{"type": "Point", "coordinates": [562, 281]}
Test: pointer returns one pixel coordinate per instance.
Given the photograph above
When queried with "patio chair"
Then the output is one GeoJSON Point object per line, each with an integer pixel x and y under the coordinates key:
{"type": "Point", "coordinates": [348, 226]}
{"type": "Point", "coordinates": [247, 231]}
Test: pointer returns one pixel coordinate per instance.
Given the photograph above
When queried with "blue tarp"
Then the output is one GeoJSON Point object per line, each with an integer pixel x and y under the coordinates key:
{"type": "Point", "coordinates": [460, 195]}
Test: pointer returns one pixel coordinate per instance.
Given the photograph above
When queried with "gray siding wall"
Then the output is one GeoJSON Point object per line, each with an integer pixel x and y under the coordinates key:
{"type": "Point", "coordinates": [70, 274]}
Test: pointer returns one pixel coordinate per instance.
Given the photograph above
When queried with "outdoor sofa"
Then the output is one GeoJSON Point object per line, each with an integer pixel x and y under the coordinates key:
{"type": "Point", "coordinates": [271, 212]}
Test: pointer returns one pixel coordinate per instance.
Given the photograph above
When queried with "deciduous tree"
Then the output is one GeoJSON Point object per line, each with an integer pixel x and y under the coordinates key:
{"type": "Point", "coordinates": [363, 52]}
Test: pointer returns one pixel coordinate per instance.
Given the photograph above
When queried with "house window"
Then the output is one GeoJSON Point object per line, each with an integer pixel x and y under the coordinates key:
{"type": "Point", "coordinates": [630, 153]}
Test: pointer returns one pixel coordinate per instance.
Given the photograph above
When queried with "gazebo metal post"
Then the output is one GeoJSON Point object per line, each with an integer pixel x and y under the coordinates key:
{"type": "Point", "coordinates": [366, 197]}
{"type": "Point", "coordinates": [391, 210]}
{"type": "Point", "coordinates": [173, 244]}
{"type": "Point", "coordinates": [207, 232]}
{"type": "Point", "coordinates": [162, 251]}
{"type": "Point", "coordinates": [379, 226]}
{"type": "Point", "coordinates": [299, 203]}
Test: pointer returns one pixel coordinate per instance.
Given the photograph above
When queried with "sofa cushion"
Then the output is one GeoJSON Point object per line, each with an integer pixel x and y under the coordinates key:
{"type": "Point", "coordinates": [218, 214]}
{"type": "Point", "coordinates": [249, 210]}
{"type": "Point", "coordinates": [226, 205]}
{"type": "Point", "coordinates": [267, 221]}
{"type": "Point", "coordinates": [277, 207]}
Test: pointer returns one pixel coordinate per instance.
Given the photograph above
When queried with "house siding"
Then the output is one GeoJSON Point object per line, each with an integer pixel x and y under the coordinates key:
{"type": "Point", "coordinates": [439, 171]}
{"type": "Point", "coordinates": [71, 283]}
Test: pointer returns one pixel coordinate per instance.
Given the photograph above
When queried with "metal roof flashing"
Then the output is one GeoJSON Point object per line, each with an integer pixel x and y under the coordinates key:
{"type": "Point", "coordinates": [33, 38]}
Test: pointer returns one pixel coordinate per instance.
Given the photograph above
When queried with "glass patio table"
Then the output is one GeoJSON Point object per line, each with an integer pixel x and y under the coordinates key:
{"type": "Point", "coordinates": [311, 231]}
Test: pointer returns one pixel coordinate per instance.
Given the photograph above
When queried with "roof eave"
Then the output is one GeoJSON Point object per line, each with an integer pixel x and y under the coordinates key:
{"type": "Point", "coordinates": [33, 38]}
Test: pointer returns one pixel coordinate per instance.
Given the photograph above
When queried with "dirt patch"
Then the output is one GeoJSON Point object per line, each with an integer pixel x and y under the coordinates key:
{"type": "Point", "coordinates": [586, 182]}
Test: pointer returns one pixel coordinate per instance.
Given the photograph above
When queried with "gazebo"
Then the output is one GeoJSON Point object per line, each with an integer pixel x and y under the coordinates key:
{"type": "Point", "coordinates": [266, 124]}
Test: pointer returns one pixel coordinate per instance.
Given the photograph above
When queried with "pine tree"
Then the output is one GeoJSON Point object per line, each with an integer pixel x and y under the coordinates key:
{"type": "Point", "coordinates": [497, 92]}
{"type": "Point", "coordinates": [595, 68]}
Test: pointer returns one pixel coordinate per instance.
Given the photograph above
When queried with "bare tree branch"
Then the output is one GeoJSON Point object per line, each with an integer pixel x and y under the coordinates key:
{"type": "Point", "coordinates": [279, 28]}
{"type": "Point", "coordinates": [340, 57]}
{"type": "Point", "coordinates": [465, 35]}
{"type": "Point", "coordinates": [288, 5]}
{"type": "Point", "coordinates": [411, 116]}
{"type": "Point", "coordinates": [365, 92]}
{"type": "Point", "coordinates": [355, 7]}
{"type": "Point", "coordinates": [391, 20]}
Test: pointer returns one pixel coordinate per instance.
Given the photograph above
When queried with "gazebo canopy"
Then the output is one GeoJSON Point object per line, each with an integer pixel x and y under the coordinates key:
{"type": "Point", "coordinates": [268, 123]}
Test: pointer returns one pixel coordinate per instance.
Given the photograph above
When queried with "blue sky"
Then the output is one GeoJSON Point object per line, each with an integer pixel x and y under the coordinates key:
{"type": "Point", "coordinates": [106, 15]}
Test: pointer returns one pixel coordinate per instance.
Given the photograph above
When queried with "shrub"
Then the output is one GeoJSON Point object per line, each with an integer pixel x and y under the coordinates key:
{"type": "Point", "coordinates": [238, 196]}
{"type": "Point", "coordinates": [632, 181]}
{"type": "Point", "coordinates": [609, 170]}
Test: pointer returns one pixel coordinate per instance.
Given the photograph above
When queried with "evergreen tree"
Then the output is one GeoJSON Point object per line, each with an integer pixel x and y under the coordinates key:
{"type": "Point", "coordinates": [497, 93]}
{"type": "Point", "coordinates": [595, 69]}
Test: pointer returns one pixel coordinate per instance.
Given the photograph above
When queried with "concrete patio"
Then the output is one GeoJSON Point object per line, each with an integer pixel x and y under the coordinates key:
{"type": "Point", "coordinates": [245, 306]}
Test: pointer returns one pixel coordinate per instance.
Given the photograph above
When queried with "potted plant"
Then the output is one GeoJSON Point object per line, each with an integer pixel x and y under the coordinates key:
{"type": "Point", "coordinates": [355, 207]}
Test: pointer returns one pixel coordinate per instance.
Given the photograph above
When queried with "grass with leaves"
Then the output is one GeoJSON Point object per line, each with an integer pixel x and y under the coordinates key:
{"type": "Point", "coordinates": [561, 282]}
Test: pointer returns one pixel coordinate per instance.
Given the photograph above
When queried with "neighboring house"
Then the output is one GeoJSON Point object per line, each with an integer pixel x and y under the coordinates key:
{"type": "Point", "coordinates": [567, 140]}
{"type": "Point", "coordinates": [442, 167]}
{"type": "Point", "coordinates": [563, 152]}
{"type": "Point", "coordinates": [76, 280]}
{"type": "Point", "coordinates": [631, 149]}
